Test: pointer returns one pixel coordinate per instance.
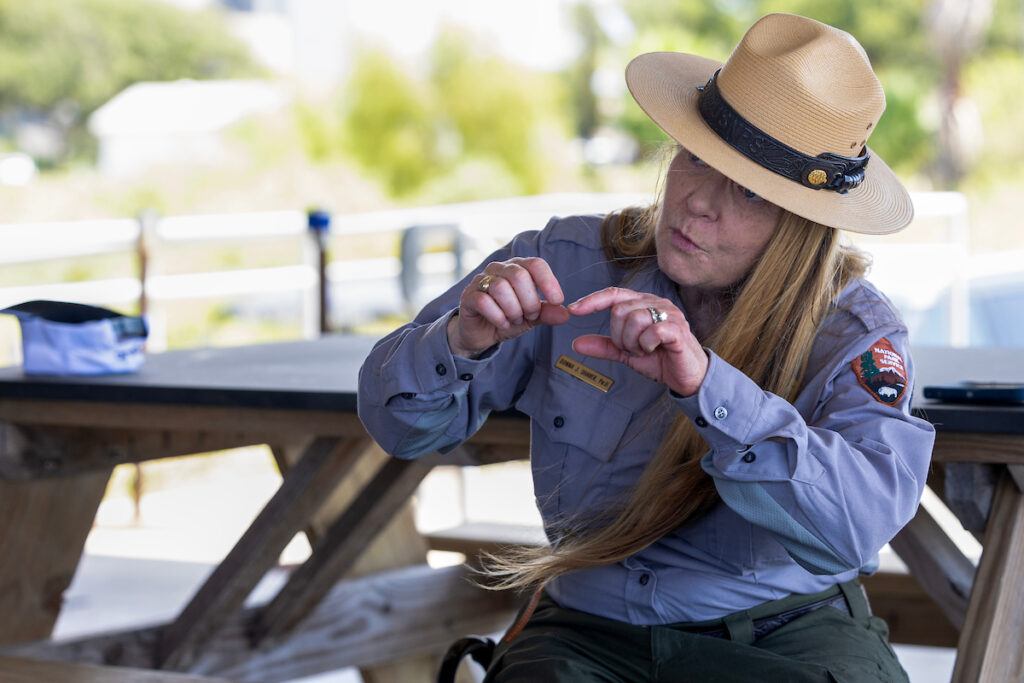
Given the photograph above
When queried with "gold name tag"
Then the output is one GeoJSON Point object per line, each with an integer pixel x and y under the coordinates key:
{"type": "Point", "coordinates": [585, 374]}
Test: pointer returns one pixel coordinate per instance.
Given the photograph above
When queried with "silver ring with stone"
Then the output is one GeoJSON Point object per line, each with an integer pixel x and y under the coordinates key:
{"type": "Point", "coordinates": [656, 315]}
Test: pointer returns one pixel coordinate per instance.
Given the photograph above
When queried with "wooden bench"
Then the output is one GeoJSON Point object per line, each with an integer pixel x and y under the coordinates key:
{"type": "Point", "coordinates": [896, 596]}
{"type": "Point", "coordinates": [18, 670]}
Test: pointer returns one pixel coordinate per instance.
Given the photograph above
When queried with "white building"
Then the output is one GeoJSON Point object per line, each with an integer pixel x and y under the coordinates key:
{"type": "Point", "coordinates": [150, 124]}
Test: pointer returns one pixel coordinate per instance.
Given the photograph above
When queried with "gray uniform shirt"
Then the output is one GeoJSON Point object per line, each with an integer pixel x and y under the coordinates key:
{"type": "Point", "coordinates": [811, 490]}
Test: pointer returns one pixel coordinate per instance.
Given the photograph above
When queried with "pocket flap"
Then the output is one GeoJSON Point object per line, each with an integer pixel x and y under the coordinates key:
{"type": "Point", "coordinates": [577, 415]}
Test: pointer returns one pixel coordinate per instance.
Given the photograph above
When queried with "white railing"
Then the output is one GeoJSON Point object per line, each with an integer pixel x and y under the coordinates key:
{"type": "Point", "coordinates": [359, 287]}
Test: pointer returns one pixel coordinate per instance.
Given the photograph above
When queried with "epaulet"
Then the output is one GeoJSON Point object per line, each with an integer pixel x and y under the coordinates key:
{"type": "Point", "coordinates": [583, 230]}
{"type": "Point", "coordinates": [861, 301]}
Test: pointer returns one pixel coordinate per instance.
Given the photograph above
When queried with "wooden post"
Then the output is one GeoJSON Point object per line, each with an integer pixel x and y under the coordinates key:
{"type": "Point", "coordinates": [398, 545]}
{"type": "Point", "coordinates": [147, 219]}
{"type": "Point", "coordinates": [319, 224]}
{"type": "Point", "coordinates": [991, 648]}
{"type": "Point", "coordinates": [45, 524]}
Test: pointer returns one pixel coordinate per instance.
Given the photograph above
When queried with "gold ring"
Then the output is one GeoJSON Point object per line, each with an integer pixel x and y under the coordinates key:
{"type": "Point", "coordinates": [485, 283]}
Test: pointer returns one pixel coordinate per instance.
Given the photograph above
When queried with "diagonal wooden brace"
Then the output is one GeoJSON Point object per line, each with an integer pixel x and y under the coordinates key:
{"type": "Point", "coordinates": [340, 547]}
{"type": "Point", "coordinates": [937, 563]}
{"type": "Point", "coordinates": [323, 465]}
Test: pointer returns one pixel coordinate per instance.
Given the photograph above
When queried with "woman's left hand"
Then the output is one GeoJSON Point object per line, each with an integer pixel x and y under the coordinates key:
{"type": "Point", "coordinates": [666, 352]}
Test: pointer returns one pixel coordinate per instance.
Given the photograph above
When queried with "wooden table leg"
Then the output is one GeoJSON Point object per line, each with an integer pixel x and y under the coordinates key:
{"type": "Point", "coordinates": [43, 527]}
{"type": "Point", "coordinates": [398, 545]}
{"type": "Point", "coordinates": [321, 467]}
{"type": "Point", "coordinates": [991, 648]}
{"type": "Point", "coordinates": [944, 572]}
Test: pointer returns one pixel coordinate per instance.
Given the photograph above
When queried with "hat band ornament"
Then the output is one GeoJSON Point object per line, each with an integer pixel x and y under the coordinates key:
{"type": "Point", "coordinates": [826, 171]}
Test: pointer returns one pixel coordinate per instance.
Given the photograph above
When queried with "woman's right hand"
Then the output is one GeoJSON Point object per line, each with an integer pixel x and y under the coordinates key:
{"type": "Point", "coordinates": [510, 306]}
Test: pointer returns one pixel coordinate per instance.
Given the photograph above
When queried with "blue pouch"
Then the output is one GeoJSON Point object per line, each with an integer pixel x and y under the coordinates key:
{"type": "Point", "coordinates": [61, 338]}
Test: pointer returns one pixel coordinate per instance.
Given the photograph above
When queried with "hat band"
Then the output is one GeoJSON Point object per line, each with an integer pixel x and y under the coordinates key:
{"type": "Point", "coordinates": [826, 171]}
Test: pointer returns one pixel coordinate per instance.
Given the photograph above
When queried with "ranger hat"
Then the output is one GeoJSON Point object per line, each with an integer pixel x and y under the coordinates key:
{"type": "Point", "coordinates": [788, 116]}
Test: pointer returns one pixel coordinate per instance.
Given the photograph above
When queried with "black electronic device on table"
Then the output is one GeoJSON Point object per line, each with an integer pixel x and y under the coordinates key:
{"type": "Point", "coordinates": [1002, 393]}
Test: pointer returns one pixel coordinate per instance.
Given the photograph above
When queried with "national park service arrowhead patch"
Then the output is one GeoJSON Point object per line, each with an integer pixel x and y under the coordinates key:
{"type": "Point", "coordinates": [882, 372]}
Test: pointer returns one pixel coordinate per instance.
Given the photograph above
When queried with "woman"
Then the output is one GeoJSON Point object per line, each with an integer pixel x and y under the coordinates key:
{"type": "Point", "coordinates": [721, 439]}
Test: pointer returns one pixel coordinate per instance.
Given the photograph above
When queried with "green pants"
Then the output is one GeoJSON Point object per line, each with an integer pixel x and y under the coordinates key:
{"type": "Point", "coordinates": [826, 644]}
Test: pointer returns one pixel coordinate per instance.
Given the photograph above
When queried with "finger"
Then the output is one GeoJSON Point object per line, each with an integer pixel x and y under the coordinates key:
{"type": "Point", "coordinates": [505, 296]}
{"type": "Point", "coordinates": [545, 280]}
{"type": "Point", "coordinates": [525, 289]}
{"type": "Point", "coordinates": [634, 325]}
{"type": "Point", "coordinates": [660, 336]}
{"type": "Point", "coordinates": [598, 346]}
{"type": "Point", "coordinates": [620, 315]}
{"type": "Point", "coordinates": [552, 314]}
{"type": "Point", "coordinates": [601, 299]}
{"type": "Point", "coordinates": [479, 303]}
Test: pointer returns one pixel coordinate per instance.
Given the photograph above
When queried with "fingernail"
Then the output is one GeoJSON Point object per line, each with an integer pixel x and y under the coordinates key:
{"type": "Point", "coordinates": [519, 321]}
{"type": "Point", "coordinates": [532, 317]}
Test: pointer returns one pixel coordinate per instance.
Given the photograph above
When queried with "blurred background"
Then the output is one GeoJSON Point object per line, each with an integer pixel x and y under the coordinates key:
{"type": "Point", "coordinates": [162, 156]}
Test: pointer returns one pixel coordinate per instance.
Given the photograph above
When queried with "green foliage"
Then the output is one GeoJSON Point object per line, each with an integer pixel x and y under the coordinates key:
{"type": "Point", "coordinates": [580, 74]}
{"type": "Point", "coordinates": [988, 81]}
{"type": "Point", "coordinates": [892, 34]}
{"type": "Point", "coordinates": [491, 105]}
{"type": "Point", "coordinates": [316, 131]}
{"type": "Point", "coordinates": [902, 138]}
{"type": "Point", "coordinates": [86, 51]}
{"type": "Point", "coordinates": [473, 111]}
{"type": "Point", "coordinates": [64, 58]}
{"type": "Point", "coordinates": [389, 127]}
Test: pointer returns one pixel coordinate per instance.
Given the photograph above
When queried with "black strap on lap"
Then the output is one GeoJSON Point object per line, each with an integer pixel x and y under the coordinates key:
{"type": "Point", "coordinates": [480, 649]}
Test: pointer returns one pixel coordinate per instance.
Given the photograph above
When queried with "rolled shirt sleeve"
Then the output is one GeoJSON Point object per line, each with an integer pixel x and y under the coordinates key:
{"type": "Point", "coordinates": [415, 396]}
{"type": "Point", "coordinates": [834, 487]}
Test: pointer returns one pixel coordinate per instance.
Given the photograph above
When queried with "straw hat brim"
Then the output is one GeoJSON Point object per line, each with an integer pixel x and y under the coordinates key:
{"type": "Point", "coordinates": [664, 84]}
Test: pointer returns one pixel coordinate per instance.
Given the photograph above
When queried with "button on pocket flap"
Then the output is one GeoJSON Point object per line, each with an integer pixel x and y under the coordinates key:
{"type": "Point", "coordinates": [580, 416]}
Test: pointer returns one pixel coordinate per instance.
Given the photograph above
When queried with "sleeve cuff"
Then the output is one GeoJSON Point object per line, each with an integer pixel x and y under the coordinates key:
{"type": "Point", "coordinates": [437, 367]}
{"type": "Point", "coordinates": [725, 407]}
{"type": "Point", "coordinates": [725, 410]}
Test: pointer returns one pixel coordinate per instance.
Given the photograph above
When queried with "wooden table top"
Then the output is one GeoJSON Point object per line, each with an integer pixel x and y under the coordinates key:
{"type": "Point", "coordinates": [322, 374]}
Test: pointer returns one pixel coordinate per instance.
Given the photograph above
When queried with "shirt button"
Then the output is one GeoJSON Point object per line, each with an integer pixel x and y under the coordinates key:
{"type": "Point", "coordinates": [701, 422]}
{"type": "Point", "coordinates": [559, 421]}
{"type": "Point", "coordinates": [465, 377]}
{"type": "Point", "coordinates": [644, 578]}
{"type": "Point", "coordinates": [441, 369]}
{"type": "Point", "coordinates": [721, 413]}
{"type": "Point", "coordinates": [749, 457]}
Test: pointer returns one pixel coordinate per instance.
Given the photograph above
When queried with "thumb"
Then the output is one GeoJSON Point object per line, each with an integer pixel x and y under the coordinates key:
{"type": "Point", "coordinates": [597, 346]}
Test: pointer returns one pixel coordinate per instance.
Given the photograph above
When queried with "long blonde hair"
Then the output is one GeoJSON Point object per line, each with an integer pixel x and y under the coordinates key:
{"type": "Point", "coordinates": [767, 333]}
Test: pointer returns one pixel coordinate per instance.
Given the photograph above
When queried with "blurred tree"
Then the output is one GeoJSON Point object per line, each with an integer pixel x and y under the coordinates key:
{"type": "Point", "coordinates": [956, 27]}
{"type": "Point", "coordinates": [61, 59]}
{"type": "Point", "coordinates": [580, 74]}
{"type": "Point", "coordinates": [492, 106]}
{"type": "Point", "coordinates": [389, 125]}
{"type": "Point", "coordinates": [890, 31]}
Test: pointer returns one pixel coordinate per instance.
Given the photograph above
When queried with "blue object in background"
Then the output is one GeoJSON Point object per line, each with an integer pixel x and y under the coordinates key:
{"type": "Point", "coordinates": [319, 220]}
{"type": "Point", "coordinates": [61, 338]}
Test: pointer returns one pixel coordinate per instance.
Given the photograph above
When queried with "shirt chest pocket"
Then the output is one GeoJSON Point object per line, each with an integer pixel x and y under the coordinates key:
{"type": "Point", "coordinates": [575, 430]}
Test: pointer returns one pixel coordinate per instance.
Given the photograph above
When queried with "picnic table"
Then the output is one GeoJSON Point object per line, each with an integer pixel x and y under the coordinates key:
{"type": "Point", "coordinates": [364, 597]}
